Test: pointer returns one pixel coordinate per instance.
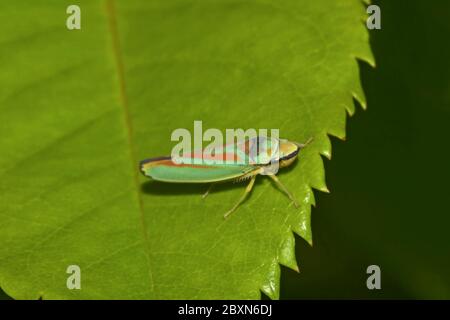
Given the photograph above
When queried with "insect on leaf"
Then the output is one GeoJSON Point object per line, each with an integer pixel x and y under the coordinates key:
{"type": "Point", "coordinates": [81, 107]}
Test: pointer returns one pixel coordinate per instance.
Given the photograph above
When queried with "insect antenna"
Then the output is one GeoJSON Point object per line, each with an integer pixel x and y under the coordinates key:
{"type": "Point", "coordinates": [302, 145]}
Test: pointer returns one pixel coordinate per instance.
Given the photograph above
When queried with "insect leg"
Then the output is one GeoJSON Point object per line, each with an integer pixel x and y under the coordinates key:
{"type": "Point", "coordinates": [247, 191]}
{"type": "Point", "coordinates": [284, 189]}
{"type": "Point", "coordinates": [208, 191]}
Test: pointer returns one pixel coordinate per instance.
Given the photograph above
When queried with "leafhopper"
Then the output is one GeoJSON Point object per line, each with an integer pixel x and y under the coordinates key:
{"type": "Point", "coordinates": [239, 161]}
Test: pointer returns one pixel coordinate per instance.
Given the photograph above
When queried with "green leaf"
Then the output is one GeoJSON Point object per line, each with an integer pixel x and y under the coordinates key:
{"type": "Point", "coordinates": [80, 108]}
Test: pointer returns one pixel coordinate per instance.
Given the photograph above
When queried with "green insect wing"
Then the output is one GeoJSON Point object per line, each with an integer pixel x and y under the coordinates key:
{"type": "Point", "coordinates": [165, 170]}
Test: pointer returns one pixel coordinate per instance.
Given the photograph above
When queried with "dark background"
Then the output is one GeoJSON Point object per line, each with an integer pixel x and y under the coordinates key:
{"type": "Point", "coordinates": [389, 180]}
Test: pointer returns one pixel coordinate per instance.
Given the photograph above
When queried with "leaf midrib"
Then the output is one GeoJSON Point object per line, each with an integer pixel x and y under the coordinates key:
{"type": "Point", "coordinates": [111, 15]}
